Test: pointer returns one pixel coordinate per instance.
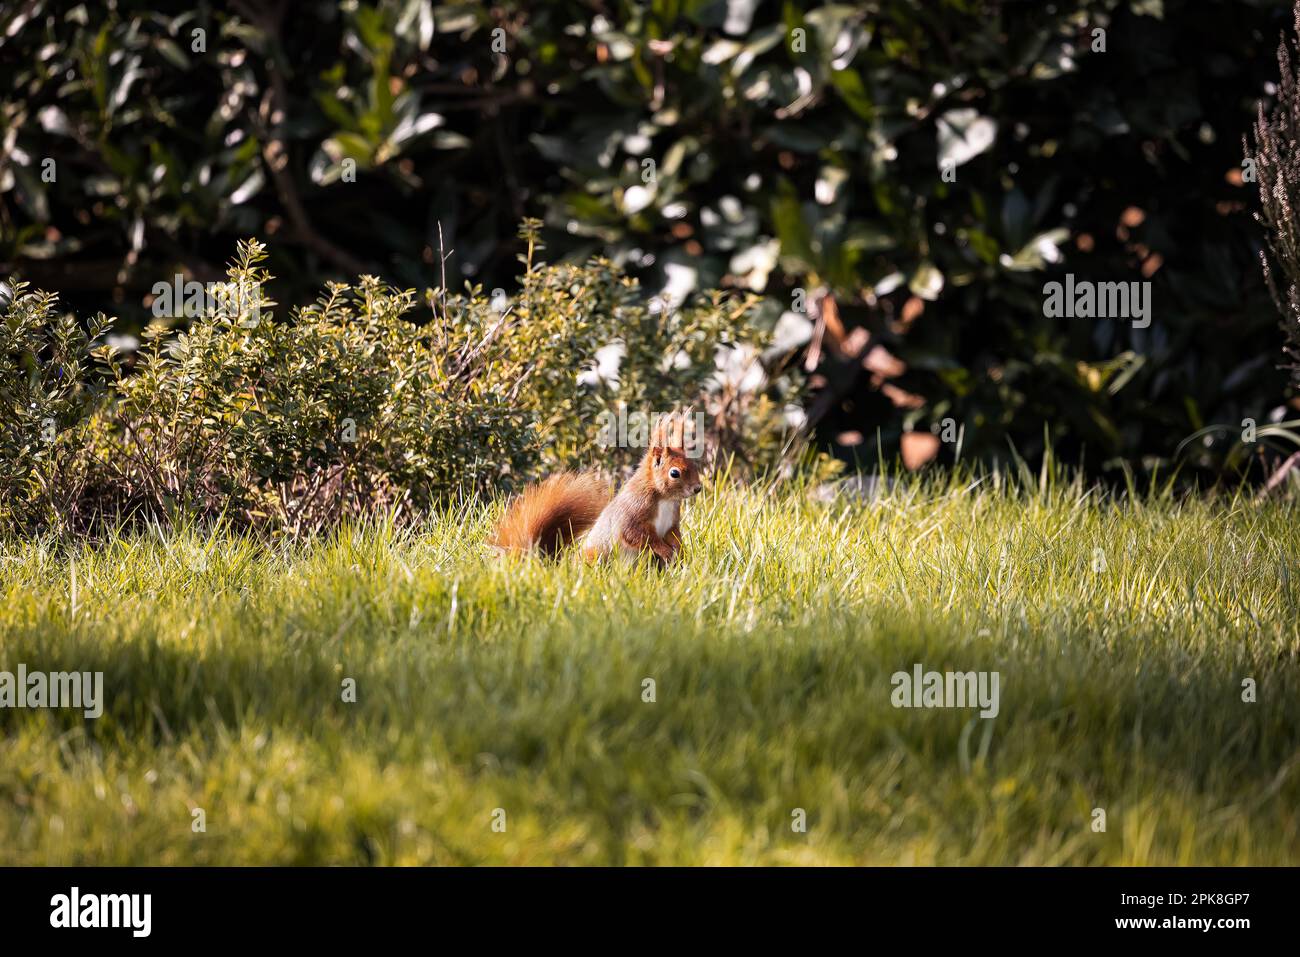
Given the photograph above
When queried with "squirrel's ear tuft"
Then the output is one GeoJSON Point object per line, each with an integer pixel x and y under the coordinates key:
{"type": "Point", "coordinates": [669, 431]}
{"type": "Point", "coordinates": [657, 432]}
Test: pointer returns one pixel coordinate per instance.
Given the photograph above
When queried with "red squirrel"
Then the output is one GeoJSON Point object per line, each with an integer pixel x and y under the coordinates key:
{"type": "Point", "coordinates": [645, 516]}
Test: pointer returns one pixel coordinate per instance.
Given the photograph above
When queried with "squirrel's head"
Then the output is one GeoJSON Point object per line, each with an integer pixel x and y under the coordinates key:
{"type": "Point", "coordinates": [672, 472]}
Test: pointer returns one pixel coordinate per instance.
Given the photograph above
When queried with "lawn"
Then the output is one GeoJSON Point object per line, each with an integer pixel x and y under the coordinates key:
{"type": "Point", "coordinates": [501, 711]}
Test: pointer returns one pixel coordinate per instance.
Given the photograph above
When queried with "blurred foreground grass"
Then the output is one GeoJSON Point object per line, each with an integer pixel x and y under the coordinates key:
{"type": "Point", "coordinates": [485, 684]}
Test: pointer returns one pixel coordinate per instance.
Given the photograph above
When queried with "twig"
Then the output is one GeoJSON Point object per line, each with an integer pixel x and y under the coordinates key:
{"type": "Point", "coordinates": [1276, 479]}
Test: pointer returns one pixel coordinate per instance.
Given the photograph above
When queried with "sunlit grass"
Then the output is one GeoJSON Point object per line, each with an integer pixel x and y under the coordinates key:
{"type": "Point", "coordinates": [1122, 629]}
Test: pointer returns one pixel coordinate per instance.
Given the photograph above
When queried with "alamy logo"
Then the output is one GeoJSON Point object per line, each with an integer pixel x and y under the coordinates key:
{"type": "Point", "coordinates": [231, 300]}
{"type": "Point", "coordinates": [946, 689]}
{"type": "Point", "coordinates": [1098, 300]}
{"type": "Point", "coordinates": [133, 911]}
{"type": "Point", "coordinates": [633, 430]}
{"type": "Point", "coordinates": [54, 689]}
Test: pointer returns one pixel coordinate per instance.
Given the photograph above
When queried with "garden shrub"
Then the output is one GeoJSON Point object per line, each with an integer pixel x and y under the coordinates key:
{"type": "Point", "coordinates": [347, 407]}
{"type": "Point", "coordinates": [50, 384]}
{"type": "Point", "coordinates": [639, 355]}
{"type": "Point", "coordinates": [365, 400]}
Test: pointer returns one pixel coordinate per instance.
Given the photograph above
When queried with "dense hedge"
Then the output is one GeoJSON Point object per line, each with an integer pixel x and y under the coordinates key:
{"type": "Point", "coordinates": [791, 148]}
{"type": "Point", "coordinates": [366, 401]}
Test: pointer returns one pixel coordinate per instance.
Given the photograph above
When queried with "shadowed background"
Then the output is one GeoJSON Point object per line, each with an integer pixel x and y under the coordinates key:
{"type": "Point", "coordinates": [790, 149]}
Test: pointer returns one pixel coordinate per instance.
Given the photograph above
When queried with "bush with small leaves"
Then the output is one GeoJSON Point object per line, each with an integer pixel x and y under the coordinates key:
{"type": "Point", "coordinates": [51, 381]}
{"type": "Point", "coordinates": [347, 408]}
{"type": "Point", "coordinates": [361, 402]}
{"type": "Point", "coordinates": [582, 344]}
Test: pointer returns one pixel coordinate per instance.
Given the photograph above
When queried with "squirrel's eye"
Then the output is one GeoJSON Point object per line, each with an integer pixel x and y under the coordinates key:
{"type": "Point", "coordinates": [674, 473]}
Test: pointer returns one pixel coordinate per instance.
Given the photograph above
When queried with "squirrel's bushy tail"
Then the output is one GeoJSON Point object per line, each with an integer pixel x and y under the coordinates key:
{"type": "Point", "coordinates": [552, 513]}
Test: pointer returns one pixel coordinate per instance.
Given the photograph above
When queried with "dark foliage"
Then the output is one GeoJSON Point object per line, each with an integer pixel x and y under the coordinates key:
{"type": "Point", "coordinates": [807, 172]}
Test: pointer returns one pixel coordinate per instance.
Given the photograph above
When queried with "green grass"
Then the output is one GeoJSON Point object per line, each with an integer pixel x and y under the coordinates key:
{"type": "Point", "coordinates": [485, 684]}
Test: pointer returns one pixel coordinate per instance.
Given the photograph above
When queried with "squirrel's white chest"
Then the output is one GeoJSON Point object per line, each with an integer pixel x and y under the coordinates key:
{"type": "Point", "coordinates": [666, 517]}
